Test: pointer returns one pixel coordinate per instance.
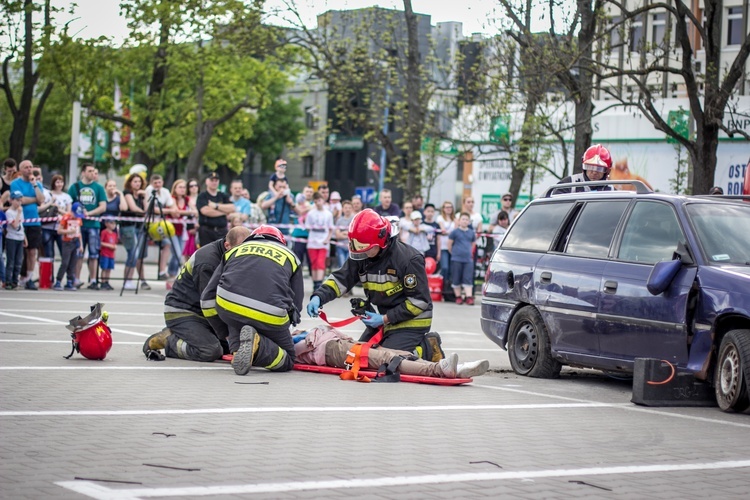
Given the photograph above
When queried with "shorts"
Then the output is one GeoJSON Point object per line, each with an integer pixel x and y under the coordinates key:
{"type": "Point", "coordinates": [91, 240]}
{"type": "Point", "coordinates": [317, 258]}
{"type": "Point", "coordinates": [34, 235]}
{"type": "Point", "coordinates": [106, 262]}
{"type": "Point", "coordinates": [462, 273]}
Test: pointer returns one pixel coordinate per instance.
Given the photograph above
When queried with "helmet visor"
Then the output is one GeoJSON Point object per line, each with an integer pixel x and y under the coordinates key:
{"type": "Point", "coordinates": [595, 168]}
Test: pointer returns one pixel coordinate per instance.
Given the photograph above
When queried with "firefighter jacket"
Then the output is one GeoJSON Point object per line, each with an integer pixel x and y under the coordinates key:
{"type": "Point", "coordinates": [395, 281]}
{"type": "Point", "coordinates": [260, 280]}
{"type": "Point", "coordinates": [185, 295]}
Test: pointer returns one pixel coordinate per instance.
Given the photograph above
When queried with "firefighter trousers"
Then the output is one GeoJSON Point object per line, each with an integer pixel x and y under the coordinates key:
{"type": "Point", "coordinates": [193, 339]}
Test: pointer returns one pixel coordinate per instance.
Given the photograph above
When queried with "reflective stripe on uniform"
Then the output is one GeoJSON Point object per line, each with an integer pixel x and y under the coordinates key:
{"type": "Point", "coordinates": [168, 316]}
{"type": "Point", "coordinates": [335, 284]}
{"type": "Point", "coordinates": [421, 304]}
{"type": "Point", "coordinates": [424, 320]}
{"type": "Point", "coordinates": [412, 308]}
{"type": "Point", "coordinates": [207, 313]}
{"type": "Point", "coordinates": [378, 278]}
{"type": "Point", "coordinates": [182, 349]}
{"type": "Point", "coordinates": [209, 308]}
{"type": "Point", "coordinates": [383, 287]}
{"type": "Point", "coordinates": [251, 308]}
{"type": "Point", "coordinates": [276, 362]}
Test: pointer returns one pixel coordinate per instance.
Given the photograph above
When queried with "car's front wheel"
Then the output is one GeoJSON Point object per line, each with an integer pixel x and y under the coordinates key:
{"type": "Point", "coordinates": [730, 383]}
{"type": "Point", "coordinates": [529, 347]}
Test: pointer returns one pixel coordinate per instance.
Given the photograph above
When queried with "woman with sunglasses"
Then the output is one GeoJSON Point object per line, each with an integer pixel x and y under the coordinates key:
{"type": "Point", "coordinates": [447, 221]}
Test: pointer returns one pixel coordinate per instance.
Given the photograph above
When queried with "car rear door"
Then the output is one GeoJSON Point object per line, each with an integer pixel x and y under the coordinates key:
{"type": "Point", "coordinates": [569, 278]}
{"type": "Point", "coordinates": [632, 322]}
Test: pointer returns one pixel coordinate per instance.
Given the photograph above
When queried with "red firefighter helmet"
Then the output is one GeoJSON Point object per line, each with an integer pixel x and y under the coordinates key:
{"type": "Point", "coordinates": [266, 231]}
{"type": "Point", "coordinates": [597, 158]}
{"type": "Point", "coordinates": [366, 231]}
{"type": "Point", "coordinates": [93, 342]}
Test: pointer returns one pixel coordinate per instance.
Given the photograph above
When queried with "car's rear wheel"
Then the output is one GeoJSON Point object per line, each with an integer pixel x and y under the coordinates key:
{"type": "Point", "coordinates": [730, 383]}
{"type": "Point", "coordinates": [528, 346]}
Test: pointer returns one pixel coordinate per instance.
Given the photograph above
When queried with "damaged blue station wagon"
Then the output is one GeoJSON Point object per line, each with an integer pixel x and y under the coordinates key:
{"type": "Point", "coordinates": [598, 279]}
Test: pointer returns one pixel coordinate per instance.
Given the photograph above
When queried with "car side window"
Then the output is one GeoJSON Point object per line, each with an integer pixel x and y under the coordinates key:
{"type": "Point", "coordinates": [651, 234]}
{"type": "Point", "coordinates": [536, 227]}
{"type": "Point", "coordinates": [594, 229]}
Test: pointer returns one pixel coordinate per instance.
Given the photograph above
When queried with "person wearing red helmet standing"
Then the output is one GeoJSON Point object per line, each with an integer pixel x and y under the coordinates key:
{"type": "Point", "coordinates": [394, 279]}
{"type": "Point", "coordinates": [597, 163]}
{"type": "Point", "coordinates": [257, 292]}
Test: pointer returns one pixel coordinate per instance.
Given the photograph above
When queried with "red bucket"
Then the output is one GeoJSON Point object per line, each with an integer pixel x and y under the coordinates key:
{"type": "Point", "coordinates": [45, 272]}
{"type": "Point", "coordinates": [435, 283]}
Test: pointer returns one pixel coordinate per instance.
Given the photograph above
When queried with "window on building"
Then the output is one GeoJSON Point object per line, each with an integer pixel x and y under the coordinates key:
{"type": "Point", "coordinates": [658, 28]}
{"type": "Point", "coordinates": [734, 26]}
{"type": "Point", "coordinates": [311, 117]}
{"type": "Point", "coordinates": [636, 34]}
{"type": "Point", "coordinates": [308, 165]}
{"type": "Point", "coordinates": [614, 34]}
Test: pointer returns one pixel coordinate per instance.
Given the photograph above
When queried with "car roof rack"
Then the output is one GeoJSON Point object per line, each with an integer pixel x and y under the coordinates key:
{"type": "Point", "coordinates": [640, 187]}
{"type": "Point", "coordinates": [745, 197]}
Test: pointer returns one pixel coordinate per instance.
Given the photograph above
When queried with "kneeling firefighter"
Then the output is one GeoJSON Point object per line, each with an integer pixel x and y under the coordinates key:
{"type": "Point", "coordinates": [393, 276]}
{"type": "Point", "coordinates": [257, 291]}
{"type": "Point", "coordinates": [188, 334]}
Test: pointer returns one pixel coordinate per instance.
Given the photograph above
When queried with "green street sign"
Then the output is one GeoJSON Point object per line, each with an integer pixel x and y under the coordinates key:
{"type": "Point", "coordinates": [500, 129]}
{"type": "Point", "coordinates": [338, 142]}
{"type": "Point", "coordinates": [679, 121]}
{"type": "Point", "coordinates": [491, 204]}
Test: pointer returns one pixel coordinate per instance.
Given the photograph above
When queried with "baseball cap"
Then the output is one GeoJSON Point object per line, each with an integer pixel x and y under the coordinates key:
{"type": "Point", "coordinates": [335, 196]}
{"type": "Point", "coordinates": [212, 175]}
{"type": "Point", "coordinates": [416, 215]}
{"type": "Point", "coordinates": [78, 210]}
{"type": "Point", "coordinates": [16, 195]}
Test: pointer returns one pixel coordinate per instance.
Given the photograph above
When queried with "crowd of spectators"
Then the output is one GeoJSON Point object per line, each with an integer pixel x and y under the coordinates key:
{"type": "Point", "coordinates": [316, 222]}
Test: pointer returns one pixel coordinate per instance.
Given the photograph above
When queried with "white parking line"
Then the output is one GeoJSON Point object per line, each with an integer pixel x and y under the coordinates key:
{"type": "Point", "coordinates": [74, 312]}
{"type": "Point", "coordinates": [626, 406]}
{"type": "Point", "coordinates": [298, 409]}
{"type": "Point", "coordinates": [56, 322]}
{"type": "Point", "coordinates": [84, 301]}
{"type": "Point", "coordinates": [94, 490]}
{"type": "Point", "coordinates": [34, 341]}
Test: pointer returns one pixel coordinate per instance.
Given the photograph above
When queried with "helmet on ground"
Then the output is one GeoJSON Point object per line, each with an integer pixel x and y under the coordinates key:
{"type": "Point", "coordinates": [93, 342]}
{"type": "Point", "coordinates": [268, 232]}
{"type": "Point", "coordinates": [597, 159]}
{"type": "Point", "coordinates": [163, 229]}
{"type": "Point", "coordinates": [366, 231]}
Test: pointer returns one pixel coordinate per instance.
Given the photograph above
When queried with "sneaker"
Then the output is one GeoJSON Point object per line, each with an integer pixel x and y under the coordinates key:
{"type": "Point", "coordinates": [243, 358]}
{"type": "Point", "coordinates": [78, 284]}
{"type": "Point", "coordinates": [58, 286]}
{"type": "Point", "coordinates": [106, 286]}
{"type": "Point", "coordinates": [157, 341]}
{"type": "Point", "coordinates": [469, 301]}
{"type": "Point", "coordinates": [130, 285]}
{"type": "Point", "coordinates": [71, 287]}
{"type": "Point", "coordinates": [93, 286]}
{"type": "Point", "coordinates": [472, 369]}
{"type": "Point", "coordinates": [30, 285]}
{"type": "Point", "coordinates": [163, 277]}
{"type": "Point", "coordinates": [449, 365]}
{"type": "Point", "coordinates": [459, 301]}
{"type": "Point", "coordinates": [145, 286]}
{"type": "Point", "coordinates": [10, 286]}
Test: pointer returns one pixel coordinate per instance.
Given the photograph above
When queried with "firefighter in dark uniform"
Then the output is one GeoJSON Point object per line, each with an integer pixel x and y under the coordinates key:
{"type": "Point", "coordinates": [188, 334]}
{"type": "Point", "coordinates": [257, 292]}
{"type": "Point", "coordinates": [394, 279]}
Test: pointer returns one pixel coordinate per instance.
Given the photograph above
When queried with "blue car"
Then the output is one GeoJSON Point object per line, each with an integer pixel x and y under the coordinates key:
{"type": "Point", "coordinates": [597, 279]}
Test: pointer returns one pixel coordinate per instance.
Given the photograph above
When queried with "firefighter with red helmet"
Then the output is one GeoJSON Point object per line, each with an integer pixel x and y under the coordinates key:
{"type": "Point", "coordinates": [188, 334]}
{"type": "Point", "coordinates": [257, 292]}
{"type": "Point", "coordinates": [597, 163]}
{"type": "Point", "coordinates": [393, 276]}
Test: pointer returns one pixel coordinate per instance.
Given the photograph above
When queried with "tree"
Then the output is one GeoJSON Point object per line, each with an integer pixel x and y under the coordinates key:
{"type": "Point", "coordinates": [708, 89]}
{"type": "Point", "coordinates": [23, 42]}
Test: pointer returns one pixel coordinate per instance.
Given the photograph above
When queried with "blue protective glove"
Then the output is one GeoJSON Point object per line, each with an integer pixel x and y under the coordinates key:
{"type": "Point", "coordinates": [299, 337]}
{"type": "Point", "coordinates": [313, 306]}
{"type": "Point", "coordinates": [372, 319]}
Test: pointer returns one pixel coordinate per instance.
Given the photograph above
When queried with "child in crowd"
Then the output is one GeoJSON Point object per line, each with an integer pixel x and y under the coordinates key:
{"type": "Point", "coordinates": [234, 219]}
{"type": "Point", "coordinates": [107, 252]}
{"type": "Point", "coordinates": [280, 168]}
{"type": "Point", "coordinates": [319, 222]}
{"type": "Point", "coordinates": [462, 266]}
{"type": "Point", "coordinates": [16, 240]}
{"type": "Point", "coordinates": [72, 245]}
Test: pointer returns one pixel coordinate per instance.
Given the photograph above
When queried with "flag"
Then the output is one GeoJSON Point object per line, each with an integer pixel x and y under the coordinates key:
{"type": "Point", "coordinates": [371, 165]}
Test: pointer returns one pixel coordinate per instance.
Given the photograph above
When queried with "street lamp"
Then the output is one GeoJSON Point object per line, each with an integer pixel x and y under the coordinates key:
{"type": "Point", "coordinates": [381, 179]}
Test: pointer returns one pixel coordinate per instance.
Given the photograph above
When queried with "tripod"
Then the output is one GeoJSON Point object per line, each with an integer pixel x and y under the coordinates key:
{"type": "Point", "coordinates": [143, 236]}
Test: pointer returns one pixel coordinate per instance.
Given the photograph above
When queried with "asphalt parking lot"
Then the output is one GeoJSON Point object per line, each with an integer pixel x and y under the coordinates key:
{"type": "Point", "coordinates": [126, 428]}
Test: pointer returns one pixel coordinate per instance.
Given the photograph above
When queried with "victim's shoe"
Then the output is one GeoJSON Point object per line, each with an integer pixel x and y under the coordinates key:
{"type": "Point", "coordinates": [449, 365]}
{"type": "Point", "coordinates": [473, 368]}
{"type": "Point", "coordinates": [243, 358]}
